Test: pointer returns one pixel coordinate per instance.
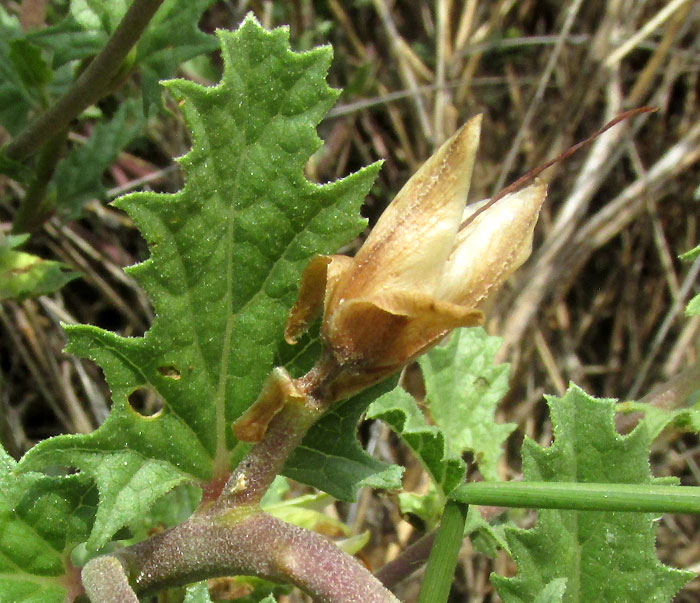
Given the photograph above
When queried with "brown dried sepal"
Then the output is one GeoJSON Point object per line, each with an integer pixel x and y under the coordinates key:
{"type": "Point", "coordinates": [278, 390]}
{"type": "Point", "coordinates": [318, 279]}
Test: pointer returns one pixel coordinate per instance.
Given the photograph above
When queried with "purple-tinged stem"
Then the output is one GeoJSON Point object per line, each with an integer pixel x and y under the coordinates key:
{"type": "Point", "coordinates": [256, 471]}
{"type": "Point", "coordinates": [232, 544]}
{"type": "Point", "coordinates": [104, 579]}
{"type": "Point", "coordinates": [410, 560]}
{"type": "Point", "coordinates": [232, 536]}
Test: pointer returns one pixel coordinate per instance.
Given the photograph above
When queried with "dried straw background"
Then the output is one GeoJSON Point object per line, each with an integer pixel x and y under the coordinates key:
{"type": "Point", "coordinates": [599, 303]}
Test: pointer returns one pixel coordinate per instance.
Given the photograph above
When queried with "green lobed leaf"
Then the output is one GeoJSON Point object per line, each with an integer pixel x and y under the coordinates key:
{"type": "Point", "coordinates": [399, 410]}
{"type": "Point", "coordinates": [78, 176]}
{"type": "Point", "coordinates": [603, 556]}
{"type": "Point", "coordinates": [25, 275]}
{"type": "Point", "coordinates": [656, 419]}
{"type": "Point", "coordinates": [331, 459]}
{"type": "Point", "coordinates": [29, 64]}
{"type": "Point", "coordinates": [463, 387]}
{"type": "Point", "coordinates": [691, 255]}
{"type": "Point", "coordinates": [41, 519]}
{"type": "Point", "coordinates": [68, 41]}
{"type": "Point", "coordinates": [172, 37]}
{"type": "Point", "coordinates": [226, 255]}
{"type": "Point", "coordinates": [15, 99]}
{"type": "Point", "coordinates": [693, 307]}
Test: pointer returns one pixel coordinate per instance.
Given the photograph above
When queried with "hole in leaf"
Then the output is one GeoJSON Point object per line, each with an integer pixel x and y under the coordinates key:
{"type": "Point", "coordinates": [468, 458]}
{"type": "Point", "coordinates": [110, 319]}
{"type": "Point", "coordinates": [145, 402]}
{"type": "Point", "coordinates": [169, 371]}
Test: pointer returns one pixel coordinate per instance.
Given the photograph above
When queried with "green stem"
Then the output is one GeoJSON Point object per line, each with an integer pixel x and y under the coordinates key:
{"type": "Point", "coordinates": [443, 556]}
{"type": "Point", "coordinates": [641, 498]}
{"type": "Point", "coordinates": [34, 208]}
{"type": "Point", "coordinates": [92, 84]}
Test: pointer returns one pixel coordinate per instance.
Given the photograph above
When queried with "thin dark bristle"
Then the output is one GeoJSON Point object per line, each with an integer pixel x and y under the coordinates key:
{"type": "Point", "coordinates": [534, 172]}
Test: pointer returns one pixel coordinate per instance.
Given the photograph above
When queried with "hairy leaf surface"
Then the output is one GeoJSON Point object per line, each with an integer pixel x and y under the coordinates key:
{"type": "Point", "coordinates": [78, 176]}
{"type": "Point", "coordinates": [399, 410]}
{"type": "Point", "coordinates": [330, 457]}
{"type": "Point", "coordinates": [603, 556]}
{"type": "Point", "coordinates": [226, 254]}
{"type": "Point", "coordinates": [463, 387]}
{"type": "Point", "coordinates": [41, 519]}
